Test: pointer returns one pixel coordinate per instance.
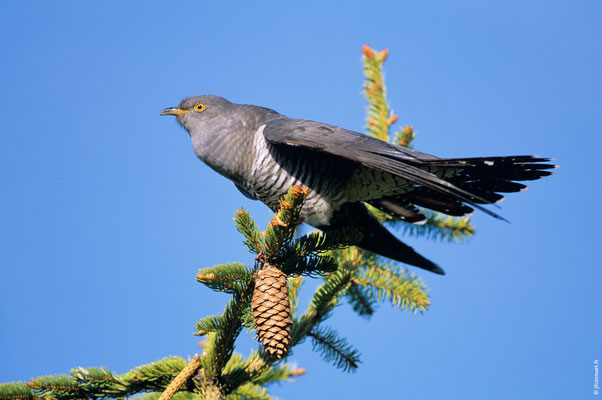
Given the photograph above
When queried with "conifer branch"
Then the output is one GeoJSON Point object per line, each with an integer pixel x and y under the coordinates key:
{"type": "Point", "coordinates": [317, 242]}
{"type": "Point", "coordinates": [181, 378]}
{"type": "Point", "coordinates": [380, 119]}
{"type": "Point", "coordinates": [17, 391]}
{"type": "Point", "coordinates": [178, 396]}
{"type": "Point", "coordinates": [441, 227]}
{"type": "Point", "coordinates": [61, 386]}
{"type": "Point", "coordinates": [404, 137]}
{"type": "Point", "coordinates": [281, 229]}
{"type": "Point", "coordinates": [250, 391]}
{"type": "Point", "coordinates": [220, 344]}
{"type": "Point", "coordinates": [376, 280]}
{"type": "Point", "coordinates": [228, 278]}
{"type": "Point", "coordinates": [310, 265]}
{"type": "Point", "coordinates": [306, 255]}
{"type": "Point", "coordinates": [153, 376]}
{"type": "Point", "coordinates": [256, 369]}
{"type": "Point", "coordinates": [247, 320]}
{"type": "Point", "coordinates": [325, 298]}
{"type": "Point", "coordinates": [294, 286]}
{"type": "Point", "coordinates": [282, 372]}
{"type": "Point", "coordinates": [100, 383]}
{"type": "Point", "coordinates": [239, 371]}
{"type": "Point", "coordinates": [209, 324]}
{"type": "Point", "coordinates": [350, 258]}
{"type": "Point", "coordinates": [253, 240]}
{"type": "Point", "coordinates": [335, 349]}
{"type": "Point", "coordinates": [361, 302]}
{"type": "Point", "coordinates": [401, 288]}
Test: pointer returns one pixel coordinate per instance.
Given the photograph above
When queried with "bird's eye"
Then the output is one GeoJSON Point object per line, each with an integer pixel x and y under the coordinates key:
{"type": "Point", "coordinates": [200, 107]}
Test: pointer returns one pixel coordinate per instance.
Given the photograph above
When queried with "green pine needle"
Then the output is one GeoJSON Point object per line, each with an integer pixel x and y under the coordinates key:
{"type": "Point", "coordinates": [317, 242]}
{"type": "Point", "coordinates": [220, 345]}
{"type": "Point", "coordinates": [279, 373]}
{"type": "Point", "coordinates": [209, 324]}
{"type": "Point", "coordinates": [86, 383]}
{"type": "Point", "coordinates": [327, 296]}
{"type": "Point", "coordinates": [229, 278]}
{"type": "Point", "coordinates": [361, 301]}
{"type": "Point", "coordinates": [250, 391]}
{"type": "Point", "coordinates": [400, 287]}
{"type": "Point", "coordinates": [257, 370]}
{"type": "Point", "coordinates": [156, 375]}
{"type": "Point", "coordinates": [404, 137]}
{"type": "Point", "coordinates": [247, 321]}
{"type": "Point", "coordinates": [294, 286]}
{"type": "Point", "coordinates": [237, 371]}
{"type": "Point", "coordinates": [16, 391]}
{"type": "Point", "coordinates": [380, 118]}
{"type": "Point", "coordinates": [59, 387]}
{"type": "Point", "coordinates": [280, 231]}
{"type": "Point", "coordinates": [310, 265]}
{"type": "Point", "coordinates": [441, 227]}
{"type": "Point", "coordinates": [253, 240]}
{"type": "Point", "coordinates": [334, 349]}
{"type": "Point", "coordinates": [182, 395]}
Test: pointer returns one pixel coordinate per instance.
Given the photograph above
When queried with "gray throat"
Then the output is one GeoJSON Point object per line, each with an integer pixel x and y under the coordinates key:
{"type": "Point", "coordinates": [228, 148]}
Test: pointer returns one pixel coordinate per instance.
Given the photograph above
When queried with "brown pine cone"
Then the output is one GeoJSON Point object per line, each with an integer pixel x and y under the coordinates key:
{"type": "Point", "coordinates": [271, 310]}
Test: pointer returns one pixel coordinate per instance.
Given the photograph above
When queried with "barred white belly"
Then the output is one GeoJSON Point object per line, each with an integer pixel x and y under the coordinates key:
{"type": "Point", "coordinates": [270, 182]}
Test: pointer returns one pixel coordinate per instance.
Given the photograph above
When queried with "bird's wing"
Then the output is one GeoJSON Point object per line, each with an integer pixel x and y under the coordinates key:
{"type": "Point", "coordinates": [367, 151]}
{"type": "Point", "coordinates": [245, 193]}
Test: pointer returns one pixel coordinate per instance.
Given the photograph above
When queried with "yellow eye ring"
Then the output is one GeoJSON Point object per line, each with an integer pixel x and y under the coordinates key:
{"type": "Point", "coordinates": [200, 107]}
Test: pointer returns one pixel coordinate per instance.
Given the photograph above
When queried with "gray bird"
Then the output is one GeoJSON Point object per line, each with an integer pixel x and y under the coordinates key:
{"type": "Point", "coordinates": [264, 153]}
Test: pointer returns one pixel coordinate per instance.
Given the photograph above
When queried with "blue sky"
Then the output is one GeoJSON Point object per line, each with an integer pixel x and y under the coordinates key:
{"type": "Point", "coordinates": [107, 214]}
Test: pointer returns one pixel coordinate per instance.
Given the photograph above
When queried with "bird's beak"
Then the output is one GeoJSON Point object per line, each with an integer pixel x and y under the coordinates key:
{"type": "Point", "coordinates": [173, 111]}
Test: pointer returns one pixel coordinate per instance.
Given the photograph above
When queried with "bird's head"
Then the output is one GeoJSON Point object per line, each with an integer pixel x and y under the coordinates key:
{"type": "Point", "coordinates": [201, 114]}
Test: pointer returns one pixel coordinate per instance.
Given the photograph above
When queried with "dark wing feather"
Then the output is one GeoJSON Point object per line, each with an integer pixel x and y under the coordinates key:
{"type": "Point", "coordinates": [436, 201]}
{"type": "Point", "coordinates": [245, 193]}
{"type": "Point", "coordinates": [399, 207]}
{"type": "Point", "coordinates": [367, 151]}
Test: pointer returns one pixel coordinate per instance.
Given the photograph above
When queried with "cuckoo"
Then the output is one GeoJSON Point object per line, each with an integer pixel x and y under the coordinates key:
{"type": "Point", "coordinates": [265, 153]}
